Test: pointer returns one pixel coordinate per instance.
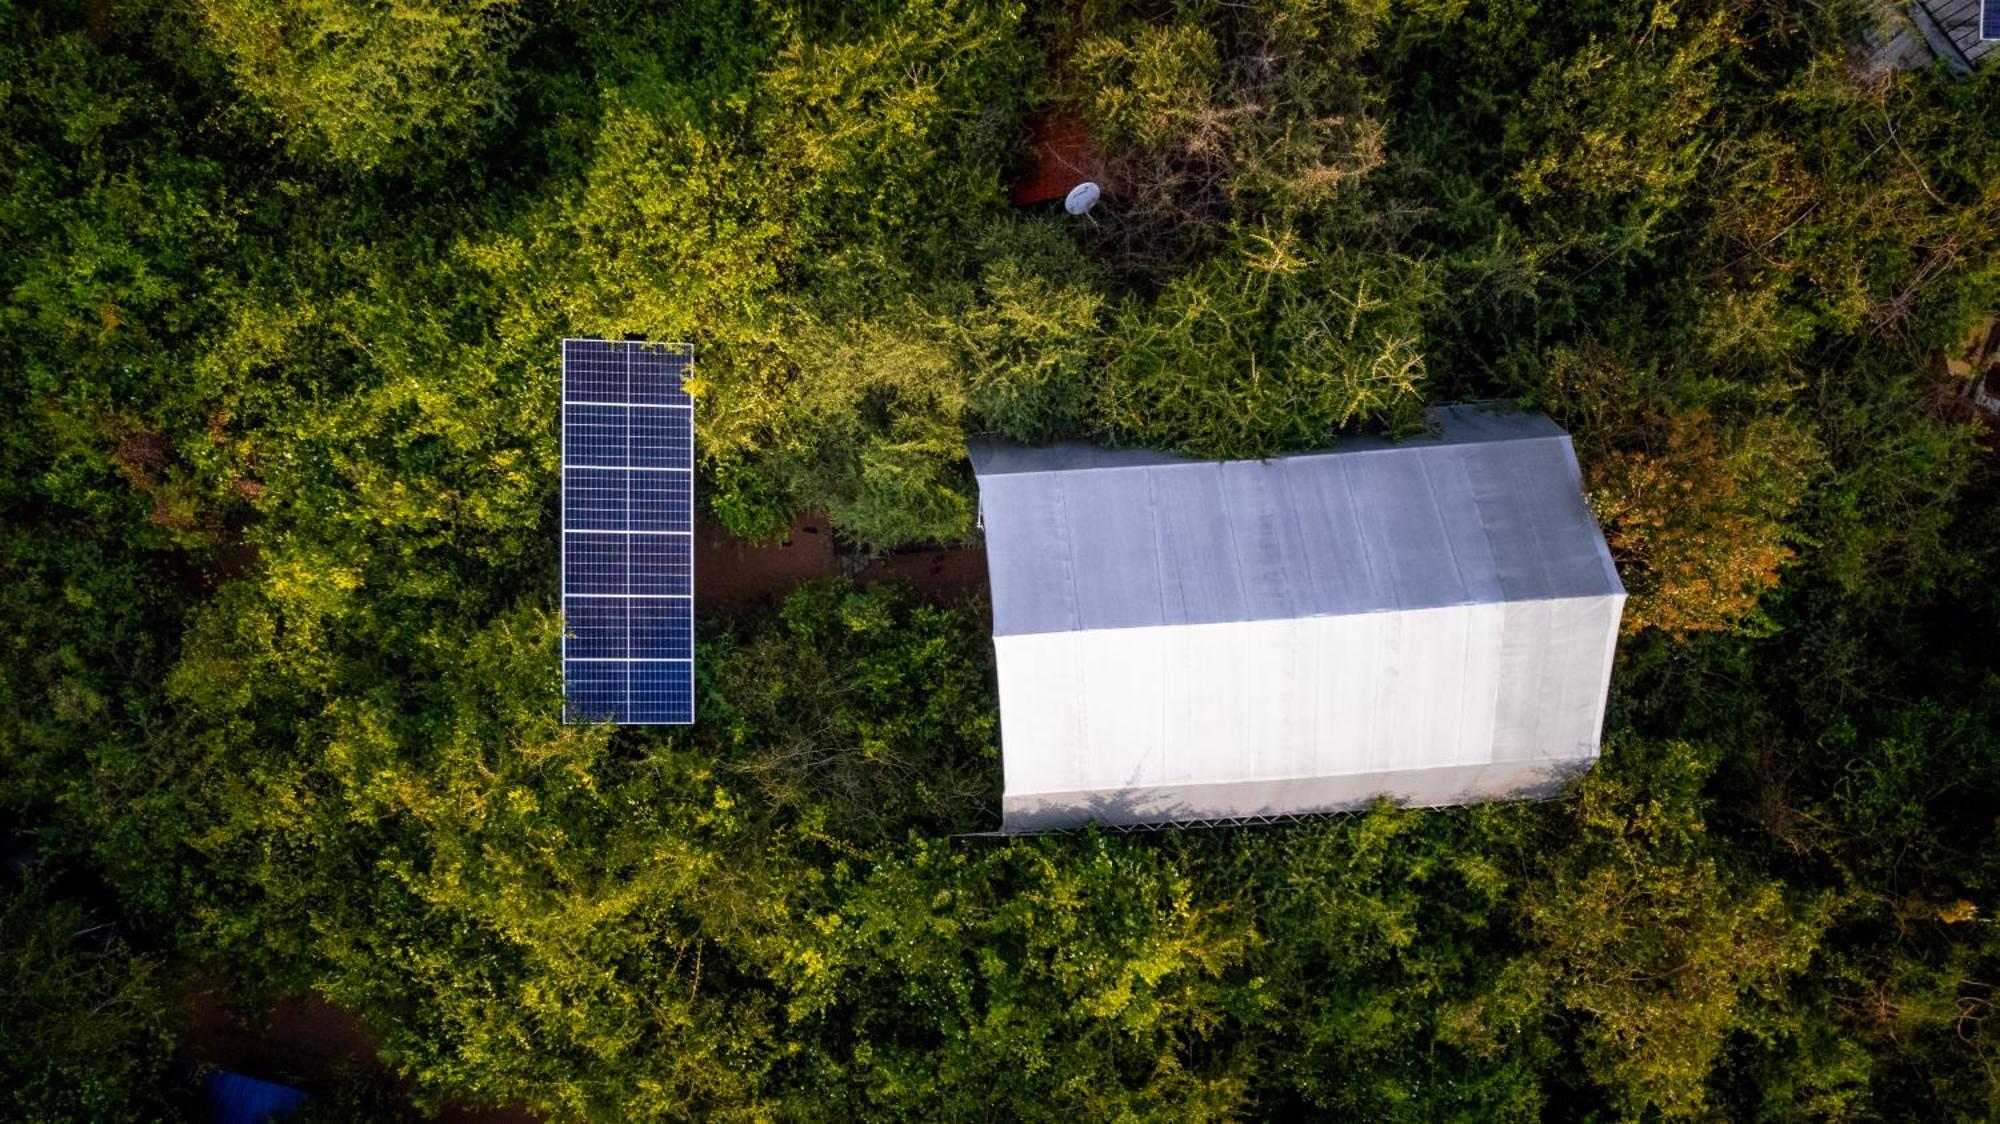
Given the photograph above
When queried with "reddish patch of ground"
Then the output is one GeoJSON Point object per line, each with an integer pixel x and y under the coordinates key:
{"type": "Point", "coordinates": [300, 1040]}
{"type": "Point", "coordinates": [732, 575]}
{"type": "Point", "coordinates": [141, 451]}
{"type": "Point", "coordinates": [952, 575]}
{"type": "Point", "coordinates": [1060, 156]}
{"type": "Point", "coordinates": [97, 22]}
{"type": "Point", "coordinates": [142, 457]}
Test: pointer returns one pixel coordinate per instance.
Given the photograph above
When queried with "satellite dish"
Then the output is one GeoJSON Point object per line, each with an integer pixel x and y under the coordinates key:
{"type": "Point", "coordinates": [1082, 198]}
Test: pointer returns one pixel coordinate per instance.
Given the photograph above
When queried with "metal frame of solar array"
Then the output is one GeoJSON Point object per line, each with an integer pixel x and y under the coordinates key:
{"type": "Point", "coordinates": [627, 533]}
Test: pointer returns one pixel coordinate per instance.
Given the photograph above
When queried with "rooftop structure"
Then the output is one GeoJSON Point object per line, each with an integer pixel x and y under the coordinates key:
{"type": "Point", "coordinates": [1960, 32]}
{"type": "Point", "coordinates": [1183, 640]}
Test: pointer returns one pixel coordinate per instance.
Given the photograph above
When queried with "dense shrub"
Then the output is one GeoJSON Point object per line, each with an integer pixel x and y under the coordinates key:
{"type": "Point", "coordinates": [1273, 350]}
{"type": "Point", "coordinates": [88, 1033]}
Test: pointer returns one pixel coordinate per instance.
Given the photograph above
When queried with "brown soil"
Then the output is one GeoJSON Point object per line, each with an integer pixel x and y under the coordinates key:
{"type": "Point", "coordinates": [952, 575]}
{"type": "Point", "coordinates": [97, 22]}
{"type": "Point", "coordinates": [733, 576]}
{"type": "Point", "coordinates": [141, 451]}
{"type": "Point", "coordinates": [1060, 156]}
{"type": "Point", "coordinates": [300, 1040]}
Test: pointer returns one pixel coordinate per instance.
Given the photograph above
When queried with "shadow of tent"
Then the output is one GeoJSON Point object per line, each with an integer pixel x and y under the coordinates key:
{"type": "Point", "coordinates": [1136, 810]}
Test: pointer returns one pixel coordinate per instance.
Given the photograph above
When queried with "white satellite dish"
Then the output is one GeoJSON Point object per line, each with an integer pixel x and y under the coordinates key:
{"type": "Point", "coordinates": [1082, 198]}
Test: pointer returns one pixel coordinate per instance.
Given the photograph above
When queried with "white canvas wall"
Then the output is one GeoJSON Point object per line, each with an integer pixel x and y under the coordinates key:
{"type": "Point", "coordinates": [1211, 721]}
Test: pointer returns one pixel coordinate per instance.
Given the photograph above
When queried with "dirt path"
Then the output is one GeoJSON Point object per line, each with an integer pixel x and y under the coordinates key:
{"type": "Point", "coordinates": [733, 576]}
{"type": "Point", "coordinates": [954, 575]}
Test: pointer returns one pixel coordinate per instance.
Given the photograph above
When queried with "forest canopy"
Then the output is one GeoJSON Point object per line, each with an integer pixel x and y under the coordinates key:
{"type": "Point", "coordinates": [280, 701]}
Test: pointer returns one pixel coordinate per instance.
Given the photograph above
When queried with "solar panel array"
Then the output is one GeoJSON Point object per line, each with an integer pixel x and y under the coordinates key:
{"type": "Point", "coordinates": [627, 533]}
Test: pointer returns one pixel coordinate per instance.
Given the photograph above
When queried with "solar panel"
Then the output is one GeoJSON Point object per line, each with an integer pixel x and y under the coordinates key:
{"type": "Point", "coordinates": [627, 533]}
{"type": "Point", "coordinates": [1989, 19]}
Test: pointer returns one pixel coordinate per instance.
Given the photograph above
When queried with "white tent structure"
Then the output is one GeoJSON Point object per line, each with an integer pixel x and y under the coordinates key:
{"type": "Point", "coordinates": [1181, 640]}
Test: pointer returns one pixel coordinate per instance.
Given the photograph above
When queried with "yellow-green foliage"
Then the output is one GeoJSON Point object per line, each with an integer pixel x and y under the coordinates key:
{"type": "Point", "coordinates": [1270, 348]}
{"type": "Point", "coordinates": [1664, 953]}
{"type": "Point", "coordinates": [360, 82]}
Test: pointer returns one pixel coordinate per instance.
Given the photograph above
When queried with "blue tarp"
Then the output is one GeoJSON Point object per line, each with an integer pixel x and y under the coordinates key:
{"type": "Point", "coordinates": [236, 1099]}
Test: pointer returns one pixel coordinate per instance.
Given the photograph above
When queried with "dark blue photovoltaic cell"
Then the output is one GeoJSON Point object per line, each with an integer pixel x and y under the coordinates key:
{"type": "Point", "coordinates": [593, 372]}
{"type": "Point", "coordinates": [661, 692]}
{"type": "Point", "coordinates": [628, 518]}
{"type": "Point", "coordinates": [599, 628]}
{"type": "Point", "coordinates": [1989, 19]}
{"type": "Point", "coordinates": [595, 499]}
{"type": "Point", "coordinates": [659, 502]}
{"type": "Point", "coordinates": [596, 435]}
{"type": "Point", "coordinates": [656, 377]}
{"type": "Point", "coordinates": [659, 564]}
{"type": "Point", "coordinates": [596, 563]}
{"type": "Point", "coordinates": [660, 438]}
{"type": "Point", "coordinates": [661, 628]}
{"type": "Point", "coordinates": [596, 691]}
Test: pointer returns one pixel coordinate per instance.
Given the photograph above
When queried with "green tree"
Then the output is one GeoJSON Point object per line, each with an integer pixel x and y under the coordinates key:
{"type": "Point", "coordinates": [1041, 980]}
{"type": "Point", "coordinates": [1394, 986]}
{"type": "Point", "coordinates": [1660, 939]}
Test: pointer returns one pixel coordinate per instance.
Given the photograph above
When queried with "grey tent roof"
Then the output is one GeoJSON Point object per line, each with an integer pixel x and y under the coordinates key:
{"type": "Point", "coordinates": [1487, 508]}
